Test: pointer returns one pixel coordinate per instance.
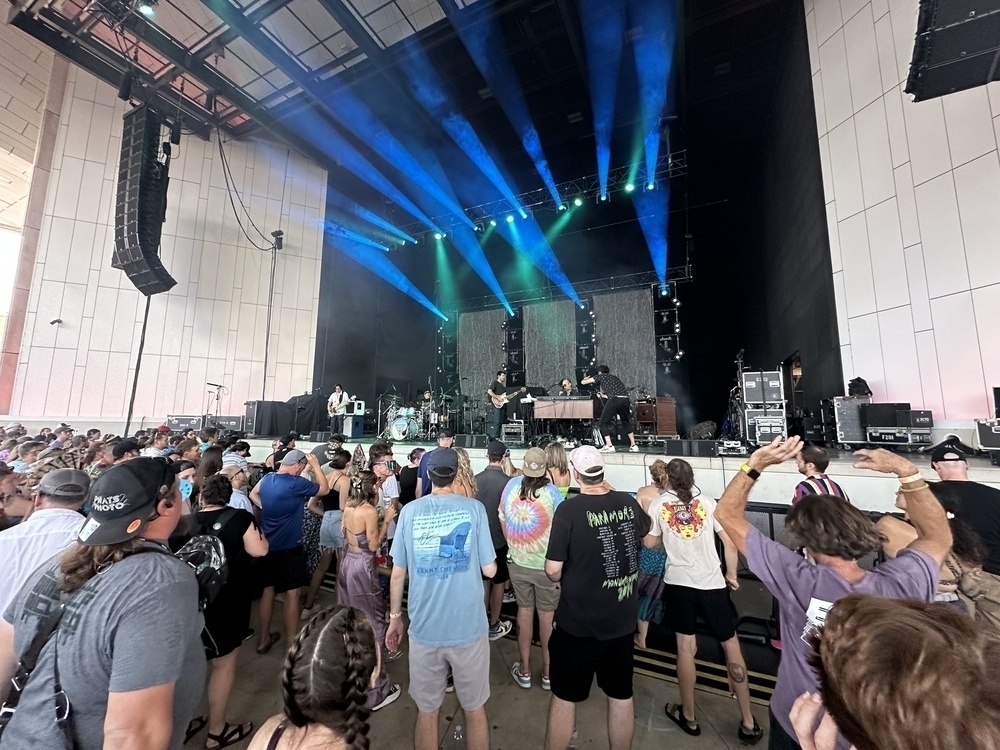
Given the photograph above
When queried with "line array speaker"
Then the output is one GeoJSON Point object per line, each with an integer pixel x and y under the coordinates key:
{"type": "Point", "coordinates": [140, 203]}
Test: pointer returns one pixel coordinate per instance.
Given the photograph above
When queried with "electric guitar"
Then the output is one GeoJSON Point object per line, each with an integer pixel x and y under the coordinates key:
{"type": "Point", "coordinates": [500, 401]}
{"type": "Point", "coordinates": [337, 410]}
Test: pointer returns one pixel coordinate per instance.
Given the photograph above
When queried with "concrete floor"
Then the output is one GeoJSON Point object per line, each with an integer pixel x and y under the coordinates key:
{"type": "Point", "coordinates": [517, 716]}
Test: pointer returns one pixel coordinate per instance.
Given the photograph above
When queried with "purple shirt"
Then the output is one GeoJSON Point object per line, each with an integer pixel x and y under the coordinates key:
{"type": "Point", "coordinates": [805, 593]}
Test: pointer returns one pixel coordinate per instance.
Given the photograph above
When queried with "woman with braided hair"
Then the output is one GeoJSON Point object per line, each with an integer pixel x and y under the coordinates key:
{"type": "Point", "coordinates": [357, 578]}
{"type": "Point", "coordinates": [330, 666]}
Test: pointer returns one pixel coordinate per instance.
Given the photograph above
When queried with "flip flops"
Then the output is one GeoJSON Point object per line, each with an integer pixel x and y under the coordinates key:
{"type": "Point", "coordinates": [194, 726]}
{"type": "Point", "coordinates": [675, 712]}
{"type": "Point", "coordinates": [230, 735]}
{"type": "Point", "coordinates": [272, 638]}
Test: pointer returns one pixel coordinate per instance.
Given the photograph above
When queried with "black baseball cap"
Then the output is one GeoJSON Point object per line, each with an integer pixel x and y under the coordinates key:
{"type": "Point", "coordinates": [66, 484]}
{"type": "Point", "coordinates": [123, 498]}
{"type": "Point", "coordinates": [128, 445]}
{"type": "Point", "coordinates": [944, 450]}
{"type": "Point", "coordinates": [443, 463]}
{"type": "Point", "coordinates": [496, 450]}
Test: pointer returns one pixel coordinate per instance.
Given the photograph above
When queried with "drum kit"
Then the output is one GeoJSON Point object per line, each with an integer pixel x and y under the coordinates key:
{"type": "Point", "coordinates": [416, 421]}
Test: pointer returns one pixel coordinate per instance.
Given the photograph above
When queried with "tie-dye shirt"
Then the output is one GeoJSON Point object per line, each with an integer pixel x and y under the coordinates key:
{"type": "Point", "coordinates": [527, 523]}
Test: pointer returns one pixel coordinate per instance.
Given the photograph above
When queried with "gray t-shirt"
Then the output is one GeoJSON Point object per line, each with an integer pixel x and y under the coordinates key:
{"type": "Point", "coordinates": [489, 487]}
{"type": "Point", "coordinates": [134, 626]}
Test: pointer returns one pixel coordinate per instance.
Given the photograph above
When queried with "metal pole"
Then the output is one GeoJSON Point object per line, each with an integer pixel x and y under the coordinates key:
{"type": "Point", "coordinates": [270, 308]}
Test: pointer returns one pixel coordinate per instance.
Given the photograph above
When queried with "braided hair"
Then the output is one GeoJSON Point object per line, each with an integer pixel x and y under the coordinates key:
{"type": "Point", "coordinates": [327, 672]}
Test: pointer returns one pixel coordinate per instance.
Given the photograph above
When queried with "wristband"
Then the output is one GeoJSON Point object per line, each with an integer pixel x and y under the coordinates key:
{"type": "Point", "coordinates": [912, 478]}
{"type": "Point", "coordinates": [918, 488]}
{"type": "Point", "coordinates": [395, 616]}
{"type": "Point", "coordinates": [750, 471]}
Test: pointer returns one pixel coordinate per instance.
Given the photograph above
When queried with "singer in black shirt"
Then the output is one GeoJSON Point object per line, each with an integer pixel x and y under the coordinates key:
{"type": "Point", "coordinates": [616, 403]}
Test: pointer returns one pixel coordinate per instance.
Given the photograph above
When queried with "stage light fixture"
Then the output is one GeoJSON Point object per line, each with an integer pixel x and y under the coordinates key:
{"type": "Point", "coordinates": [629, 187]}
{"type": "Point", "coordinates": [562, 206]}
{"type": "Point", "coordinates": [650, 186]}
{"type": "Point", "coordinates": [510, 218]}
{"type": "Point", "coordinates": [578, 202]}
{"type": "Point", "coordinates": [604, 198]}
{"type": "Point", "coordinates": [679, 354]}
{"type": "Point", "coordinates": [493, 222]}
{"type": "Point", "coordinates": [146, 9]}
{"type": "Point", "coordinates": [663, 291]}
{"type": "Point", "coordinates": [438, 235]}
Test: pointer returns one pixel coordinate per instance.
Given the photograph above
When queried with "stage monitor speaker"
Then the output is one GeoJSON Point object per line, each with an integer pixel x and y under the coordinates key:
{"type": "Point", "coordinates": [232, 422]}
{"type": "Point", "coordinates": [354, 426]}
{"type": "Point", "coordinates": [140, 203]}
{"type": "Point", "coordinates": [472, 441]}
{"type": "Point", "coordinates": [957, 47]}
{"type": "Point", "coordinates": [319, 437]}
{"type": "Point", "coordinates": [250, 421]}
{"type": "Point", "coordinates": [996, 402]}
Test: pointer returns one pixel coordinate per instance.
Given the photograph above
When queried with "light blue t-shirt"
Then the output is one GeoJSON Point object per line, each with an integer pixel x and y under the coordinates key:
{"type": "Point", "coordinates": [443, 541]}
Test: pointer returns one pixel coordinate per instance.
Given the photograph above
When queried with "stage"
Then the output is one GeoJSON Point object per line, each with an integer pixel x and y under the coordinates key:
{"type": "Point", "coordinates": [629, 471]}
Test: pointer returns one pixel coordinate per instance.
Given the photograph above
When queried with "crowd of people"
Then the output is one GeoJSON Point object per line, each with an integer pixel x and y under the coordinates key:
{"type": "Point", "coordinates": [108, 639]}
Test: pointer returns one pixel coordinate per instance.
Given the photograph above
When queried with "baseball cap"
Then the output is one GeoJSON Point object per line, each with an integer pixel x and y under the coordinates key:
{"type": "Point", "coordinates": [62, 428]}
{"type": "Point", "coordinates": [534, 463]}
{"type": "Point", "coordinates": [944, 450]}
{"type": "Point", "coordinates": [293, 457]}
{"type": "Point", "coordinates": [286, 439]}
{"type": "Point", "coordinates": [163, 428]}
{"type": "Point", "coordinates": [14, 426]}
{"type": "Point", "coordinates": [496, 449]}
{"type": "Point", "coordinates": [443, 463]}
{"type": "Point", "coordinates": [587, 461]}
{"type": "Point", "coordinates": [122, 498]}
{"type": "Point", "coordinates": [124, 446]}
{"type": "Point", "coordinates": [64, 483]}
{"type": "Point", "coordinates": [447, 432]}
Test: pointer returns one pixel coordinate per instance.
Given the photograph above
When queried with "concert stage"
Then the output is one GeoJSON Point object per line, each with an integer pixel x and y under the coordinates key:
{"type": "Point", "coordinates": [628, 471]}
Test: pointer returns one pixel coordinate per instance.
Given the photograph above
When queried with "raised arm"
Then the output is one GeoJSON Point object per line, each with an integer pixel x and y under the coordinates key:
{"type": "Point", "coordinates": [589, 380]}
{"type": "Point", "coordinates": [925, 512]}
{"type": "Point", "coordinates": [318, 476]}
{"type": "Point", "coordinates": [731, 511]}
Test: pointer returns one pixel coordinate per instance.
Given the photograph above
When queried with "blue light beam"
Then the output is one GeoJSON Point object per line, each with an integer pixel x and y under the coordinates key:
{"type": "Point", "coordinates": [482, 41]}
{"type": "Point", "coordinates": [346, 205]}
{"type": "Point", "coordinates": [467, 243]}
{"type": "Point", "coordinates": [603, 31]}
{"type": "Point", "coordinates": [652, 208]}
{"type": "Point", "coordinates": [528, 239]}
{"type": "Point", "coordinates": [340, 231]}
{"type": "Point", "coordinates": [354, 115]}
{"type": "Point", "coordinates": [344, 154]}
{"type": "Point", "coordinates": [654, 52]}
{"type": "Point", "coordinates": [428, 91]}
{"type": "Point", "coordinates": [378, 263]}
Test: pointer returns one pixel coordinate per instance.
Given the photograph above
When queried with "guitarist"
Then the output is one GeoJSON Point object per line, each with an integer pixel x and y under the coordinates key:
{"type": "Point", "coordinates": [336, 408]}
{"type": "Point", "coordinates": [498, 402]}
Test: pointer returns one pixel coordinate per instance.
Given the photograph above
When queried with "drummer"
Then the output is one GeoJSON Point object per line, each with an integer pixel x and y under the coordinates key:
{"type": "Point", "coordinates": [427, 403]}
{"type": "Point", "coordinates": [428, 412]}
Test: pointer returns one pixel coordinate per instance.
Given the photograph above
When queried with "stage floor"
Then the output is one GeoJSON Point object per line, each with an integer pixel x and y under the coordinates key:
{"type": "Point", "coordinates": [629, 471]}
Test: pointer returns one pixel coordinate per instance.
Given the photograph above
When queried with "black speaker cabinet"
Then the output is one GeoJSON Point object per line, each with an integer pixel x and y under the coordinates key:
{"type": "Point", "coordinates": [354, 426]}
{"type": "Point", "coordinates": [140, 203]}
{"type": "Point", "coordinates": [471, 441]}
{"type": "Point", "coordinates": [957, 47]}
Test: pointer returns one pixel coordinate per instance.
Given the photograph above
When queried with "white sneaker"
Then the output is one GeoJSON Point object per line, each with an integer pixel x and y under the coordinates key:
{"type": "Point", "coordinates": [391, 698]}
{"type": "Point", "coordinates": [633, 449]}
{"type": "Point", "coordinates": [608, 449]}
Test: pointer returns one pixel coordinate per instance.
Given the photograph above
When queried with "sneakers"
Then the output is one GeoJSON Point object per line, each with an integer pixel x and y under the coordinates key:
{"type": "Point", "coordinates": [546, 683]}
{"type": "Point", "coordinates": [508, 596]}
{"type": "Point", "coordinates": [499, 630]}
{"type": "Point", "coordinates": [608, 449]}
{"type": "Point", "coordinates": [750, 736]}
{"type": "Point", "coordinates": [633, 449]}
{"type": "Point", "coordinates": [522, 680]}
{"type": "Point", "coordinates": [307, 612]}
{"type": "Point", "coordinates": [391, 698]}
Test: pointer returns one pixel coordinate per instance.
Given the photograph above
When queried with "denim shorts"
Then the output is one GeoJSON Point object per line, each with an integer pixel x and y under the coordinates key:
{"type": "Point", "coordinates": [331, 536]}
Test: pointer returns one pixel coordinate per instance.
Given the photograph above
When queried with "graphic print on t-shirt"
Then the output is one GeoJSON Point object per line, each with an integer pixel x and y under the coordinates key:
{"type": "Point", "coordinates": [815, 617]}
{"type": "Point", "coordinates": [687, 522]}
{"type": "Point", "coordinates": [441, 543]}
{"type": "Point", "coordinates": [620, 551]}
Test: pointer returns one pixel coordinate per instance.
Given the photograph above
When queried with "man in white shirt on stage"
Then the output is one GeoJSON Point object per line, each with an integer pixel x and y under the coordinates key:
{"type": "Point", "coordinates": [336, 407]}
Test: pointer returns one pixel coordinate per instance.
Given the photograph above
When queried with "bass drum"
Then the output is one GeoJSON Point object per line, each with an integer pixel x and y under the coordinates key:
{"type": "Point", "coordinates": [403, 428]}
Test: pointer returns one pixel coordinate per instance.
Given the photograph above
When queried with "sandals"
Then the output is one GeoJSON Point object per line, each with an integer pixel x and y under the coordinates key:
{"type": "Point", "coordinates": [272, 638]}
{"type": "Point", "coordinates": [194, 726]}
{"type": "Point", "coordinates": [675, 712]}
{"type": "Point", "coordinates": [230, 735]}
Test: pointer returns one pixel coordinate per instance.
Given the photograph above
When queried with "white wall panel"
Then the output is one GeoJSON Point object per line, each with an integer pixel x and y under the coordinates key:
{"type": "Point", "coordinates": [977, 185]}
{"type": "Point", "coordinates": [886, 251]}
{"type": "Point", "coordinates": [959, 360]}
{"type": "Point", "coordinates": [916, 287]}
{"type": "Point", "coordinates": [828, 19]}
{"type": "Point", "coordinates": [970, 132]}
{"type": "Point", "coordinates": [866, 350]}
{"type": "Point", "coordinates": [899, 355]}
{"type": "Point", "coordinates": [941, 236]}
{"type": "Point", "coordinates": [930, 376]}
{"type": "Point", "coordinates": [986, 303]}
{"type": "Point", "coordinates": [859, 286]}
{"type": "Point", "coordinates": [211, 319]}
{"type": "Point", "coordinates": [812, 43]}
{"type": "Point", "coordinates": [846, 170]}
{"type": "Point", "coordinates": [836, 80]}
{"type": "Point", "coordinates": [873, 152]}
{"type": "Point", "coordinates": [862, 59]}
{"type": "Point", "coordinates": [886, 51]}
{"type": "Point", "coordinates": [927, 137]}
{"type": "Point", "coordinates": [906, 202]}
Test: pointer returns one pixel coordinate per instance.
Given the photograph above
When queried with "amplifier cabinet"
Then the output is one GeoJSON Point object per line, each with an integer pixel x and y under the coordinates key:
{"type": "Point", "coordinates": [765, 387]}
{"type": "Point", "coordinates": [185, 422]}
{"type": "Point", "coordinates": [919, 418]}
{"type": "Point", "coordinates": [233, 422]}
{"type": "Point", "coordinates": [691, 448]}
{"type": "Point", "coordinates": [882, 415]}
{"type": "Point", "coordinates": [847, 425]}
{"type": "Point", "coordinates": [354, 427]}
{"type": "Point", "coordinates": [250, 423]}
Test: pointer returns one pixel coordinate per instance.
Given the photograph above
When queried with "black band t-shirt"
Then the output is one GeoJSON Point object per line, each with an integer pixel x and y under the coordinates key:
{"type": "Point", "coordinates": [597, 538]}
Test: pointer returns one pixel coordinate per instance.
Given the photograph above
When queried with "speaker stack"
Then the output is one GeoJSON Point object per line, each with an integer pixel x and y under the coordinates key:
{"type": "Point", "coordinates": [140, 203]}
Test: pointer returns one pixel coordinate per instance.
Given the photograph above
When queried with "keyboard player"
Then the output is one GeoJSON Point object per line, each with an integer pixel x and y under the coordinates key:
{"type": "Point", "coordinates": [566, 388]}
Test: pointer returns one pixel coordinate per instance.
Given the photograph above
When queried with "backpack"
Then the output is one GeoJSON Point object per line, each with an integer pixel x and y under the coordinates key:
{"type": "Point", "coordinates": [207, 558]}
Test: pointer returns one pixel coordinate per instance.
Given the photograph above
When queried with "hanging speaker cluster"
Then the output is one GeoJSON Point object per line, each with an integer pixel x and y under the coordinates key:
{"type": "Point", "coordinates": [141, 203]}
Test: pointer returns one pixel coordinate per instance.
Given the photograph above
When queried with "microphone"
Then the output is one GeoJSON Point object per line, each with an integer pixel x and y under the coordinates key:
{"type": "Point", "coordinates": [215, 385]}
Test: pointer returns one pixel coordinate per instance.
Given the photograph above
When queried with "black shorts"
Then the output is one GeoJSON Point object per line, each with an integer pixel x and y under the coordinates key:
{"type": "Point", "coordinates": [574, 660]}
{"type": "Point", "coordinates": [285, 569]}
{"type": "Point", "coordinates": [683, 604]}
{"type": "Point", "coordinates": [503, 572]}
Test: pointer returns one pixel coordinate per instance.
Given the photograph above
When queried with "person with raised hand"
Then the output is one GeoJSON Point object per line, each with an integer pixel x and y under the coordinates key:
{"type": "Point", "coordinates": [324, 682]}
{"type": "Point", "coordinates": [835, 536]}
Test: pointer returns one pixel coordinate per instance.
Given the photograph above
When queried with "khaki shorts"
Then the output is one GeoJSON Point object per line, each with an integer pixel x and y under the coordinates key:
{"type": "Point", "coordinates": [988, 608]}
{"type": "Point", "coordinates": [470, 668]}
{"type": "Point", "coordinates": [533, 589]}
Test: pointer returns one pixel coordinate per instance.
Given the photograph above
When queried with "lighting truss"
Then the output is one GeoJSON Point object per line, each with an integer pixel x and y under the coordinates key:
{"type": "Point", "coordinates": [668, 166]}
{"type": "Point", "coordinates": [550, 291]}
